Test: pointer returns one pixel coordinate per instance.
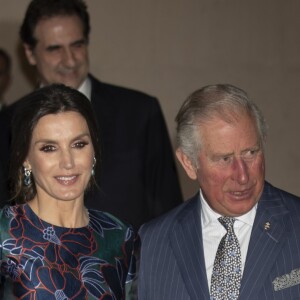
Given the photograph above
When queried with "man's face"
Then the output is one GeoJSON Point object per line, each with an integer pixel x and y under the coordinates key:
{"type": "Point", "coordinates": [61, 52]}
{"type": "Point", "coordinates": [231, 165]}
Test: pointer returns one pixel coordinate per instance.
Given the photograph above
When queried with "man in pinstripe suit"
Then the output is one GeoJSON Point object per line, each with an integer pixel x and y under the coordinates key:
{"type": "Point", "coordinates": [221, 136]}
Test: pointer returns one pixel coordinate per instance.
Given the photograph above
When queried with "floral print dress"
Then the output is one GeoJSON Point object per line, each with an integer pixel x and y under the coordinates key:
{"type": "Point", "coordinates": [43, 261]}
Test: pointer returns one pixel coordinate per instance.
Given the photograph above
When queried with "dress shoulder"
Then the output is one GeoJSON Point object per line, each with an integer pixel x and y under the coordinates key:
{"type": "Point", "coordinates": [90, 262]}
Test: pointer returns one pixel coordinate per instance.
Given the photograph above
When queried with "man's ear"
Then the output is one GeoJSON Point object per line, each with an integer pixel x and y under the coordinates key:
{"type": "Point", "coordinates": [186, 164]}
{"type": "Point", "coordinates": [29, 54]}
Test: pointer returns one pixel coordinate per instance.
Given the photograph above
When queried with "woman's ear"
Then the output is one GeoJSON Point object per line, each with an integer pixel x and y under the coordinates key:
{"type": "Point", "coordinates": [186, 164]}
{"type": "Point", "coordinates": [26, 164]}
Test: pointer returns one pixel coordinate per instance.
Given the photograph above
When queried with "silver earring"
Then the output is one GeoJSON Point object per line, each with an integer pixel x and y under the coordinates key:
{"type": "Point", "coordinates": [93, 167]}
{"type": "Point", "coordinates": [27, 176]}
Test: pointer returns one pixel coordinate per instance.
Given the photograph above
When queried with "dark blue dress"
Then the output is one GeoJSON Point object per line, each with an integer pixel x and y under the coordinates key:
{"type": "Point", "coordinates": [43, 261]}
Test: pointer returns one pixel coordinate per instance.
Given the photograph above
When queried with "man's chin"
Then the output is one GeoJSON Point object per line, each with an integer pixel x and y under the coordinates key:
{"type": "Point", "coordinates": [71, 84]}
{"type": "Point", "coordinates": [240, 207]}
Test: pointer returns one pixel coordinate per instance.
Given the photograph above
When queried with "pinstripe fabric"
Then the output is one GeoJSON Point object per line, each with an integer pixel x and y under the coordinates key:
{"type": "Point", "coordinates": [172, 263]}
{"type": "Point", "coordinates": [172, 258]}
{"type": "Point", "coordinates": [275, 252]}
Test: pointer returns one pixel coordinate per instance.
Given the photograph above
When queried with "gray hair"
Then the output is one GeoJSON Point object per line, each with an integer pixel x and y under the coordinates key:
{"type": "Point", "coordinates": [222, 100]}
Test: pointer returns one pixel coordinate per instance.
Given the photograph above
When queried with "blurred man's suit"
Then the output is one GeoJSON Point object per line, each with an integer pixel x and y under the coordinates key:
{"type": "Point", "coordinates": [172, 265]}
{"type": "Point", "coordinates": [138, 174]}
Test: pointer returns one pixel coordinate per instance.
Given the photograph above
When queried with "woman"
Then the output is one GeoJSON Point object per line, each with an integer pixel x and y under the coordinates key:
{"type": "Point", "coordinates": [52, 246]}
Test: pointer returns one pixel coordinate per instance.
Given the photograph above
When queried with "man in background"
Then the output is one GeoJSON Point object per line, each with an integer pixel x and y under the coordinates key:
{"type": "Point", "coordinates": [138, 178]}
{"type": "Point", "coordinates": [238, 237]}
{"type": "Point", "coordinates": [5, 80]}
{"type": "Point", "coordinates": [5, 75]}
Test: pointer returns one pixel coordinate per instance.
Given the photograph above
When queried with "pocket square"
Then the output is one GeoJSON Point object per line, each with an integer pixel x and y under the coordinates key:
{"type": "Point", "coordinates": [287, 280]}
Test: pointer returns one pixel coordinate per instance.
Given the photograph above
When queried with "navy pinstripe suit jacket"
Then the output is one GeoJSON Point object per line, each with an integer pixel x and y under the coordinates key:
{"type": "Point", "coordinates": [172, 262]}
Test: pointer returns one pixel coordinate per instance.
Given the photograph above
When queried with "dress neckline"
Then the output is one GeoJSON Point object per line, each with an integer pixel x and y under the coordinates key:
{"type": "Point", "coordinates": [35, 218]}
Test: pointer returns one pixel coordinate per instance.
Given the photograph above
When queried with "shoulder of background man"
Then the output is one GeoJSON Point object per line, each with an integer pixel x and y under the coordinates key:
{"type": "Point", "coordinates": [7, 113]}
{"type": "Point", "coordinates": [6, 116]}
{"type": "Point", "coordinates": [164, 223]}
{"type": "Point", "coordinates": [119, 95]}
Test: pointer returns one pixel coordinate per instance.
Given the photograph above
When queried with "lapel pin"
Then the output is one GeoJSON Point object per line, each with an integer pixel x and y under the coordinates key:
{"type": "Point", "coordinates": [267, 226]}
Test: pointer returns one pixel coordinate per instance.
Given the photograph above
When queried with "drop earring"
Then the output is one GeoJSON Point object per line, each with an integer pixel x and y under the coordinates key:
{"type": "Point", "coordinates": [27, 176]}
{"type": "Point", "coordinates": [93, 167]}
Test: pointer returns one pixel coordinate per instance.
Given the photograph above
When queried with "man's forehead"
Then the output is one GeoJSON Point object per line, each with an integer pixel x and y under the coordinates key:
{"type": "Point", "coordinates": [220, 132]}
{"type": "Point", "coordinates": [59, 23]}
{"type": "Point", "coordinates": [230, 114]}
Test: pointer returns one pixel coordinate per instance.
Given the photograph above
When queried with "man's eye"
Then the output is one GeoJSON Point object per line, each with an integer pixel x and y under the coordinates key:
{"type": "Point", "coordinates": [251, 153]}
{"type": "Point", "coordinates": [53, 49]}
{"type": "Point", "coordinates": [226, 158]}
{"type": "Point", "coordinates": [47, 148]}
{"type": "Point", "coordinates": [79, 44]}
{"type": "Point", "coordinates": [222, 159]}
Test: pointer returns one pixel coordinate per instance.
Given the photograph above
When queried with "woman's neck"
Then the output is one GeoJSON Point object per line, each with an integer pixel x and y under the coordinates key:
{"type": "Point", "coordinates": [69, 214]}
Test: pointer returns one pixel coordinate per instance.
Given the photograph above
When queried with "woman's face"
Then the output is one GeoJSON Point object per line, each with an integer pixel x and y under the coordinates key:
{"type": "Point", "coordinates": [61, 156]}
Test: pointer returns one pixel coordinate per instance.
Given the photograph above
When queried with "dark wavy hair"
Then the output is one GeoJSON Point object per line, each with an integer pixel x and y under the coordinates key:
{"type": "Point", "coordinates": [42, 9]}
{"type": "Point", "coordinates": [52, 99]}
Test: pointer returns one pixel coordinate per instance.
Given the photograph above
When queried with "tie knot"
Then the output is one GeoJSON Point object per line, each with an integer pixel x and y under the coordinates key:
{"type": "Point", "coordinates": [227, 222]}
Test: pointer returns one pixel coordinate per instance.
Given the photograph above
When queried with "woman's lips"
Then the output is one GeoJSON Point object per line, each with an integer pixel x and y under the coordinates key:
{"type": "Point", "coordinates": [66, 180]}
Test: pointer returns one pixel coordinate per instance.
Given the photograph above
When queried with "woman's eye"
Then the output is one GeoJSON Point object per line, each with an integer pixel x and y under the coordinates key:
{"type": "Point", "coordinates": [80, 144]}
{"type": "Point", "coordinates": [47, 148]}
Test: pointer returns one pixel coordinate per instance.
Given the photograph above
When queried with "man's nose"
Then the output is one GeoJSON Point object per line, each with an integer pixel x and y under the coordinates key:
{"type": "Point", "coordinates": [69, 58]}
{"type": "Point", "coordinates": [240, 171]}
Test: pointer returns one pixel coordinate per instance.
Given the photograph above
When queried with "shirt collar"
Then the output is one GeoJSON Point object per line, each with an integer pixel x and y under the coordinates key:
{"type": "Point", "coordinates": [208, 215]}
{"type": "Point", "coordinates": [86, 88]}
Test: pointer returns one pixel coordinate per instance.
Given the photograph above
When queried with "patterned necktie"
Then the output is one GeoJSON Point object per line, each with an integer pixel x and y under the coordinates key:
{"type": "Point", "coordinates": [226, 275]}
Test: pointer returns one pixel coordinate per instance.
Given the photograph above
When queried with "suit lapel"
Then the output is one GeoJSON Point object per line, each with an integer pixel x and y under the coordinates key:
{"type": "Point", "coordinates": [265, 244]}
{"type": "Point", "coordinates": [105, 109]}
{"type": "Point", "coordinates": [186, 242]}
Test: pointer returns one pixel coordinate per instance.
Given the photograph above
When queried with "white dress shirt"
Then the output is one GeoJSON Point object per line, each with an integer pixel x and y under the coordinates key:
{"type": "Point", "coordinates": [86, 88]}
{"type": "Point", "coordinates": [213, 231]}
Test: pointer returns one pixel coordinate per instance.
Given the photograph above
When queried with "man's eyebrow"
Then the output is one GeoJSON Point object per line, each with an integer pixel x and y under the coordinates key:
{"type": "Point", "coordinates": [57, 46]}
{"type": "Point", "coordinates": [53, 47]}
{"type": "Point", "coordinates": [81, 41]}
{"type": "Point", "coordinates": [223, 154]}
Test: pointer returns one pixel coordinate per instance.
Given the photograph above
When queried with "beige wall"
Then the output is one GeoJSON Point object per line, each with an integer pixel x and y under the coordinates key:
{"type": "Point", "coordinates": [169, 48]}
